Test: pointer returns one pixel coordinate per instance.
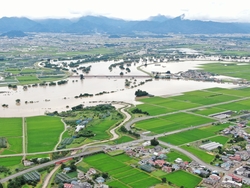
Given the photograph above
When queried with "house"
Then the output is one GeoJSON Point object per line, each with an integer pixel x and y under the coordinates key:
{"type": "Point", "coordinates": [243, 154]}
{"type": "Point", "coordinates": [27, 163]}
{"type": "Point", "coordinates": [67, 185]}
{"type": "Point", "coordinates": [231, 183]}
{"type": "Point", "coordinates": [80, 175]}
{"type": "Point", "coordinates": [235, 178]}
{"type": "Point", "coordinates": [178, 160]}
{"type": "Point", "coordinates": [147, 143]}
{"type": "Point", "coordinates": [91, 171]}
{"type": "Point", "coordinates": [235, 158]}
{"type": "Point", "coordinates": [147, 168]}
{"type": "Point", "coordinates": [167, 169]}
{"type": "Point", "coordinates": [209, 181]}
{"type": "Point", "coordinates": [66, 170]}
{"type": "Point", "coordinates": [240, 171]}
{"type": "Point", "coordinates": [100, 180]}
{"type": "Point", "coordinates": [162, 156]}
{"type": "Point", "coordinates": [159, 163]}
{"type": "Point", "coordinates": [176, 167]}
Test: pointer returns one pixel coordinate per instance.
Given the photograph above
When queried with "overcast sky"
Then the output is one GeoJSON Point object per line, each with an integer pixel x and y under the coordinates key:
{"type": "Point", "coordinates": [215, 10]}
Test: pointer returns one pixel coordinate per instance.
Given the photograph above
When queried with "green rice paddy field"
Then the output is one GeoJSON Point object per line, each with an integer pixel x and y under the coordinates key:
{"type": "Point", "coordinates": [122, 174]}
{"type": "Point", "coordinates": [193, 135]}
{"type": "Point", "coordinates": [172, 122]}
{"type": "Point", "coordinates": [193, 99]}
{"type": "Point", "coordinates": [237, 70]}
{"type": "Point", "coordinates": [11, 129]}
{"type": "Point", "coordinates": [27, 79]}
{"type": "Point", "coordinates": [43, 133]}
{"type": "Point", "coordinates": [187, 180]}
{"type": "Point", "coordinates": [101, 129]}
{"type": "Point", "coordinates": [202, 154]}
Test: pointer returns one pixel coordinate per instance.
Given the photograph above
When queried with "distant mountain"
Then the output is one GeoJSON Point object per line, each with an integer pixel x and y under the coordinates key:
{"type": "Point", "coordinates": [93, 24]}
{"type": "Point", "coordinates": [158, 18]}
{"type": "Point", "coordinates": [14, 33]}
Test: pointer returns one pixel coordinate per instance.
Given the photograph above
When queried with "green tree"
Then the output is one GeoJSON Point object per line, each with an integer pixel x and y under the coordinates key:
{"type": "Point", "coordinates": [154, 142]}
{"type": "Point", "coordinates": [163, 180]}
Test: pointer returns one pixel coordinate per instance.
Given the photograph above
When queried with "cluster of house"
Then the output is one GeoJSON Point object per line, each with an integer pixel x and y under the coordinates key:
{"type": "Point", "coordinates": [237, 130]}
{"type": "Point", "coordinates": [83, 179]}
{"type": "Point", "coordinates": [80, 124]}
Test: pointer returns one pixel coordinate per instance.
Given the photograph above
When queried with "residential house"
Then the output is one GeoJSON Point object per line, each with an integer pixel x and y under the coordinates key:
{"type": "Point", "coordinates": [167, 169]}
{"type": "Point", "coordinates": [176, 167]}
{"type": "Point", "coordinates": [100, 180]}
{"type": "Point", "coordinates": [27, 163]}
{"type": "Point", "coordinates": [243, 154]}
{"type": "Point", "coordinates": [67, 185]}
{"type": "Point", "coordinates": [159, 163]}
{"type": "Point", "coordinates": [178, 160]}
{"type": "Point", "coordinates": [91, 171]}
{"type": "Point", "coordinates": [235, 158]}
{"type": "Point", "coordinates": [235, 178]}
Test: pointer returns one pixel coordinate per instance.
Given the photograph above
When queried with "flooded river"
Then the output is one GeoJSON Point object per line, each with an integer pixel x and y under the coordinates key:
{"type": "Point", "coordinates": [56, 98]}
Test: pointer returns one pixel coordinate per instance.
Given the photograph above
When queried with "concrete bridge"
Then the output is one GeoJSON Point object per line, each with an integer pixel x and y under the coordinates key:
{"type": "Point", "coordinates": [112, 76]}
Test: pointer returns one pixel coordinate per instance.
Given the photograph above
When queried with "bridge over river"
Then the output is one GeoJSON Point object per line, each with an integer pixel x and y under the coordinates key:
{"type": "Point", "coordinates": [112, 76]}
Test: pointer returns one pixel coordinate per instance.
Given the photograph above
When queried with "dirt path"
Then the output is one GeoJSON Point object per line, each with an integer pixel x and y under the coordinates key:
{"type": "Point", "coordinates": [127, 117]}
{"type": "Point", "coordinates": [24, 137]}
{"type": "Point", "coordinates": [60, 138]}
{"type": "Point", "coordinates": [48, 177]}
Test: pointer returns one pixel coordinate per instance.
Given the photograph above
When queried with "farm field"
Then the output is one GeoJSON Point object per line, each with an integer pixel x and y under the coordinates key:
{"type": "Point", "coordinates": [11, 129]}
{"type": "Point", "coordinates": [41, 127]}
{"type": "Point", "coordinates": [10, 161]}
{"type": "Point", "coordinates": [243, 92]}
{"type": "Point", "coordinates": [221, 139]}
{"type": "Point", "coordinates": [122, 173]}
{"type": "Point", "coordinates": [208, 111]}
{"type": "Point", "coordinates": [202, 154]}
{"type": "Point", "coordinates": [154, 109]}
{"type": "Point", "coordinates": [171, 122]}
{"type": "Point", "coordinates": [205, 97]}
{"type": "Point", "coordinates": [169, 103]}
{"type": "Point", "coordinates": [123, 139]}
{"type": "Point", "coordinates": [27, 79]}
{"type": "Point", "coordinates": [236, 106]}
{"type": "Point", "coordinates": [173, 155]}
{"type": "Point", "coordinates": [101, 129]}
{"type": "Point", "coordinates": [193, 135]}
{"type": "Point", "coordinates": [187, 180]}
{"type": "Point", "coordinates": [228, 69]}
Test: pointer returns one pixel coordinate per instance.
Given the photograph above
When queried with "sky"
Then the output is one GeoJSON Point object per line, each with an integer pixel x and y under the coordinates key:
{"type": "Point", "coordinates": [208, 10]}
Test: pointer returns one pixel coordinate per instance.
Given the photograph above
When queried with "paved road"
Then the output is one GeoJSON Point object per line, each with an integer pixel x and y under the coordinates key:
{"type": "Point", "coordinates": [133, 121]}
{"type": "Point", "coordinates": [95, 149]}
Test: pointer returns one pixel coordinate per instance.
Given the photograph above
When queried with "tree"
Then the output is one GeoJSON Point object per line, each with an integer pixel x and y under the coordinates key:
{"type": "Point", "coordinates": [154, 142]}
{"type": "Point", "coordinates": [1, 186]}
{"type": "Point", "coordinates": [18, 101]}
{"type": "Point", "coordinates": [81, 76]}
{"type": "Point", "coordinates": [163, 180]}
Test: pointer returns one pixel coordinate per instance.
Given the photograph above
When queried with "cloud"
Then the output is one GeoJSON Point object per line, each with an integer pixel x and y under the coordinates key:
{"type": "Point", "coordinates": [216, 10]}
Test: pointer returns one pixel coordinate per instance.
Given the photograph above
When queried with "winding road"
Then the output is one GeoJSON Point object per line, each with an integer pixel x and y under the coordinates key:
{"type": "Point", "coordinates": [99, 148]}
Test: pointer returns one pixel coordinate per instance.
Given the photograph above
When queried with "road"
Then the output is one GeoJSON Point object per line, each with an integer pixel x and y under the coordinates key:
{"type": "Point", "coordinates": [129, 124]}
{"type": "Point", "coordinates": [48, 177]}
{"type": "Point", "coordinates": [97, 148]}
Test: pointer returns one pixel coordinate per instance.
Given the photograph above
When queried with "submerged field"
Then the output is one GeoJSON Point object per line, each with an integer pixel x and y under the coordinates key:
{"type": "Point", "coordinates": [43, 133]}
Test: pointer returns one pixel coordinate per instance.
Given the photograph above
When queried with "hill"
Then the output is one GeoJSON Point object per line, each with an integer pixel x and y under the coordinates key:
{"type": "Point", "coordinates": [104, 25]}
{"type": "Point", "coordinates": [14, 33]}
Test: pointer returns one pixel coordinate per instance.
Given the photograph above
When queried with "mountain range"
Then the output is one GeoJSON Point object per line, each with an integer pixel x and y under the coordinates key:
{"type": "Point", "coordinates": [104, 25]}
